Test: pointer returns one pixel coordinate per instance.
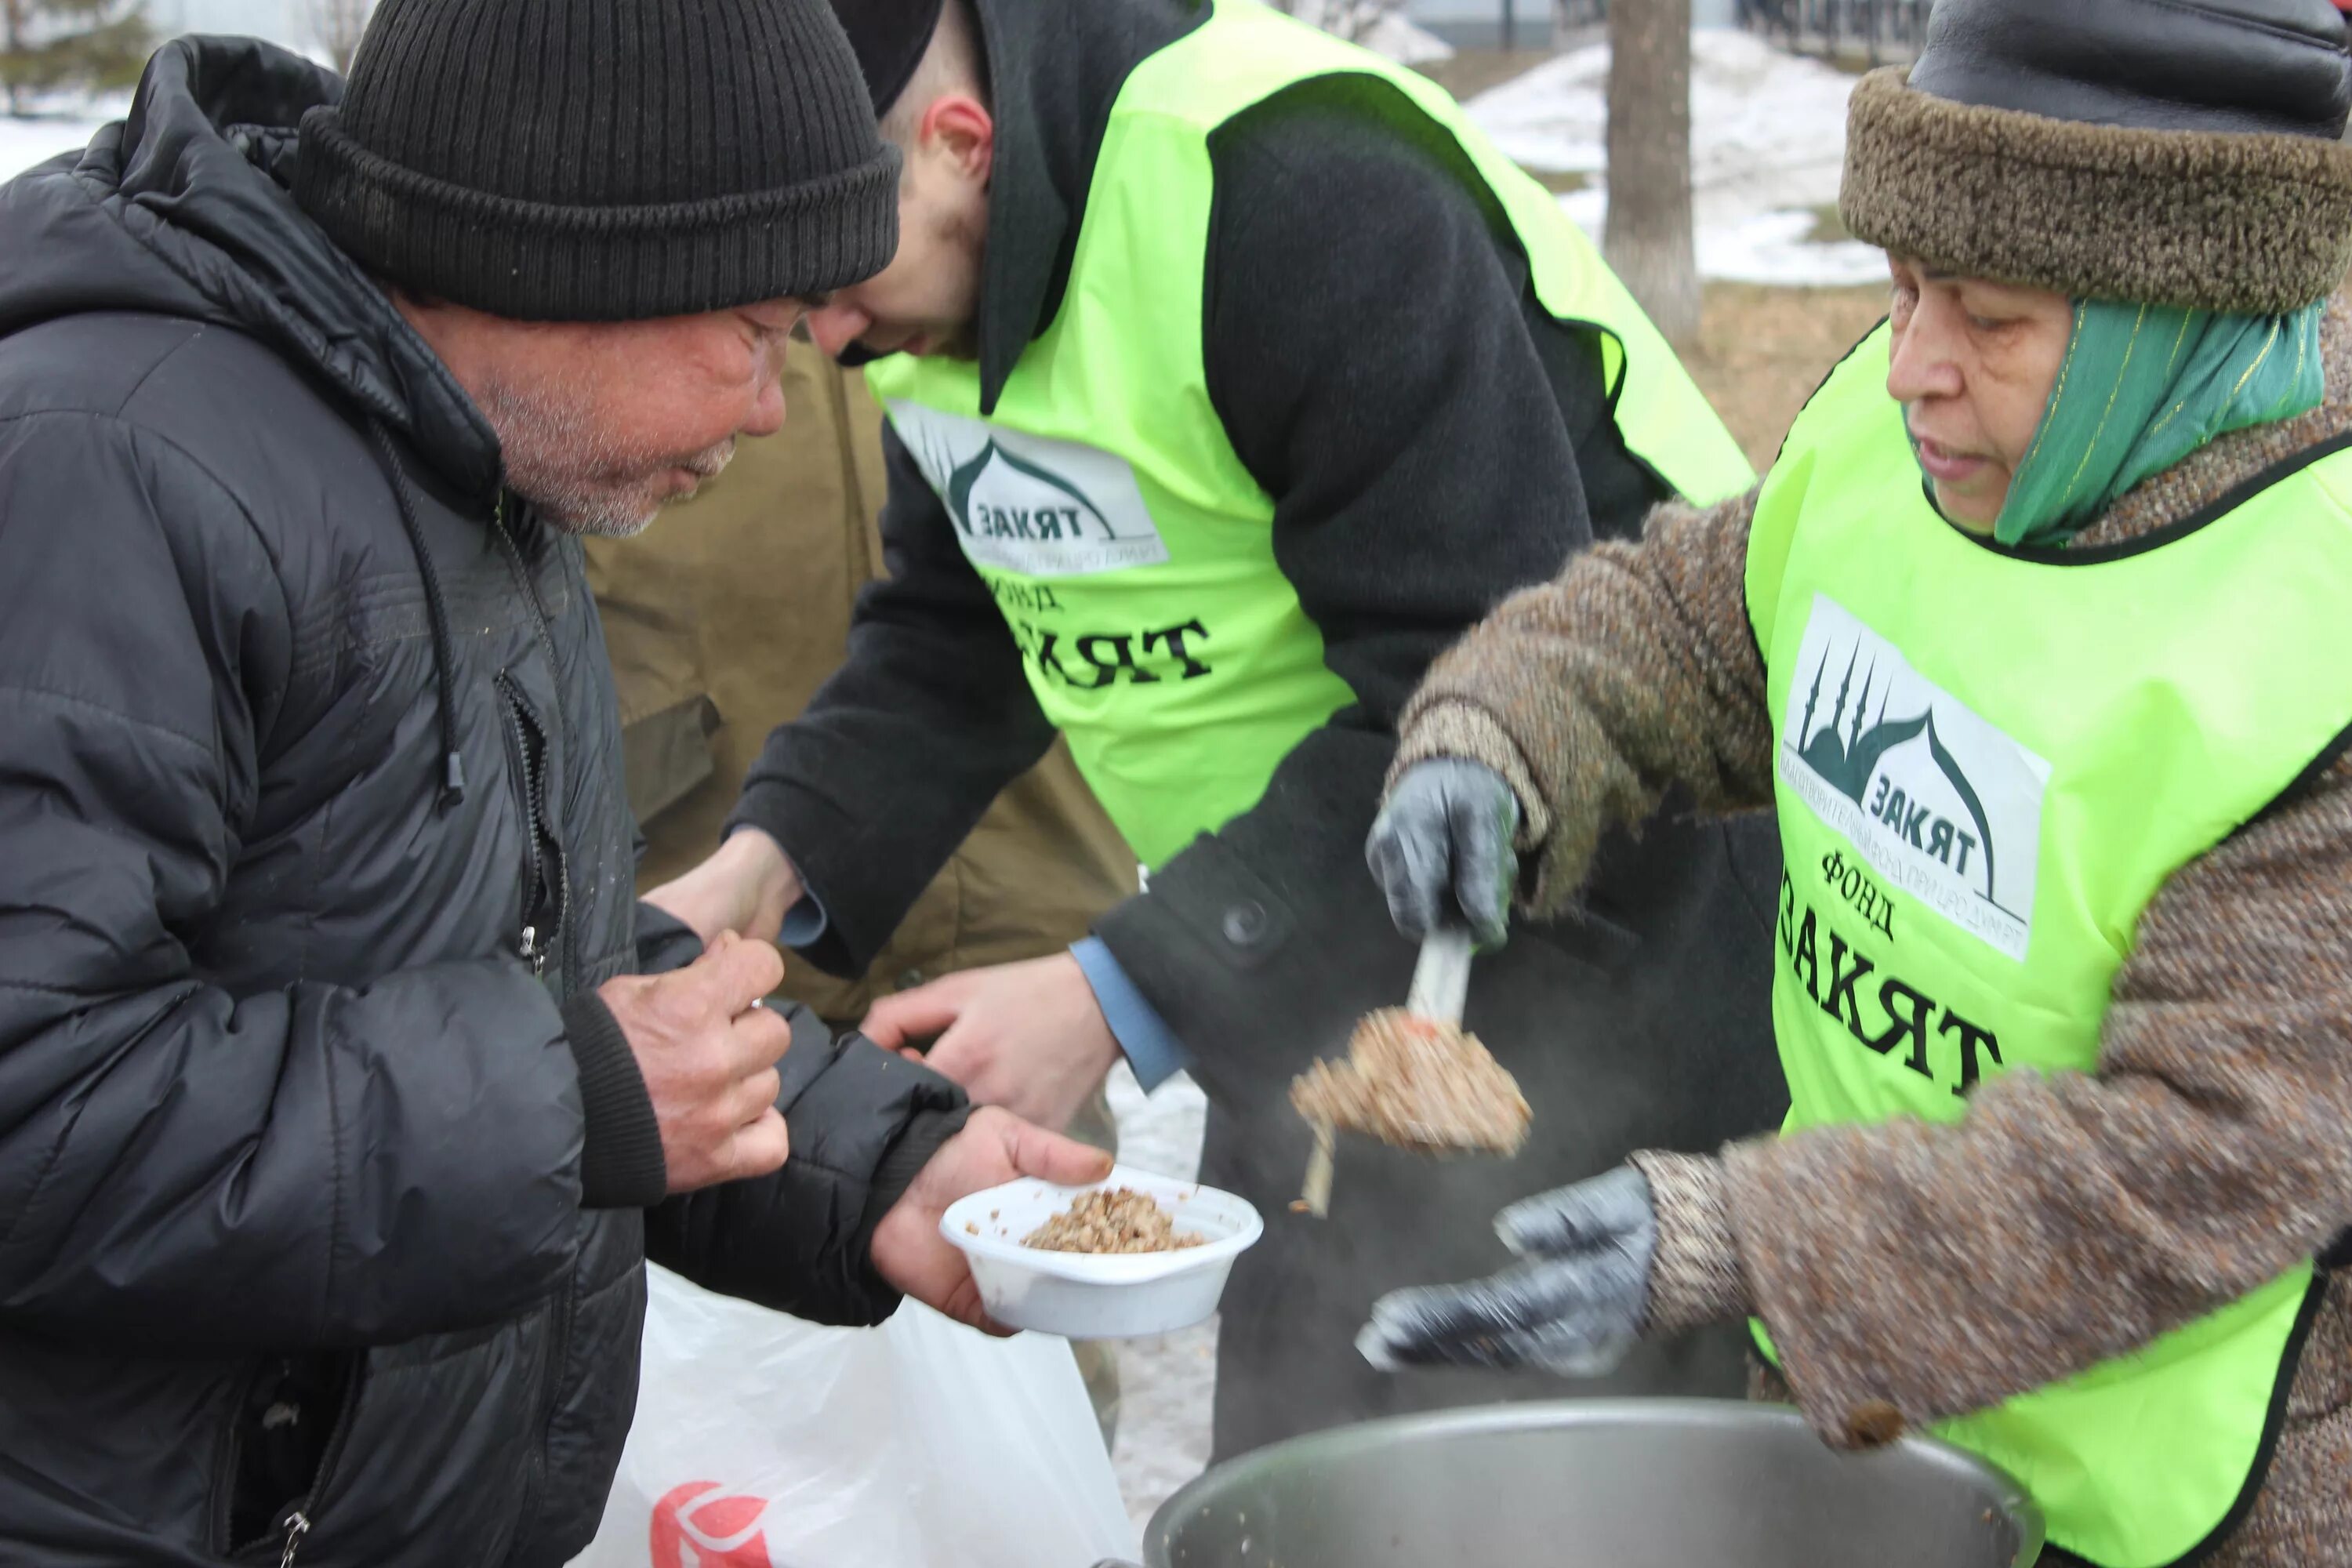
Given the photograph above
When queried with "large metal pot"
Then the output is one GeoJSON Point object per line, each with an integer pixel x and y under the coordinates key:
{"type": "Point", "coordinates": [1596, 1484]}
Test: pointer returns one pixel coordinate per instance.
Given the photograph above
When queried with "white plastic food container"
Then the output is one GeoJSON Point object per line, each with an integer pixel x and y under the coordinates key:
{"type": "Point", "coordinates": [1088, 1296]}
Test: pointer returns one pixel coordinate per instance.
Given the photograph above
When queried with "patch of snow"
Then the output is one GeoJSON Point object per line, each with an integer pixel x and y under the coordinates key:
{"type": "Point", "coordinates": [42, 136]}
{"type": "Point", "coordinates": [1402, 42]}
{"type": "Point", "coordinates": [1167, 1395]}
{"type": "Point", "coordinates": [1167, 1384]}
{"type": "Point", "coordinates": [1767, 146]}
{"type": "Point", "coordinates": [1389, 34]}
{"type": "Point", "coordinates": [1779, 247]}
{"type": "Point", "coordinates": [1160, 1132]}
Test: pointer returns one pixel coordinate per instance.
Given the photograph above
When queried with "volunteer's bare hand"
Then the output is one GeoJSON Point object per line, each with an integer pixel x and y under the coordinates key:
{"type": "Point", "coordinates": [746, 887]}
{"type": "Point", "coordinates": [708, 1058]}
{"type": "Point", "coordinates": [994, 1147]}
{"type": "Point", "coordinates": [1028, 1037]}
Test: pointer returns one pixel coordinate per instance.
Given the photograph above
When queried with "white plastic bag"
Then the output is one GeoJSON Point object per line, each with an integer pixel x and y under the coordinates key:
{"type": "Point", "coordinates": [763, 1442]}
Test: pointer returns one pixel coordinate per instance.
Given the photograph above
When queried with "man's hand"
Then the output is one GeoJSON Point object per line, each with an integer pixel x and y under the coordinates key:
{"type": "Point", "coordinates": [1029, 1036]}
{"type": "Point", "coordinates": [1573, 1307]}
{"type": "Point", "coordinates": [746, 887]}
{"type": "Point", "coordinates": [707, 1053]}
{"type": "Point", "coordinates": [993, 1148]}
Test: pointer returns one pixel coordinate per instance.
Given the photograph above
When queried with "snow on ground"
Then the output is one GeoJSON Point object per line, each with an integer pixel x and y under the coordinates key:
{"type": "Point", "coordinates": [25, 142]}
{"type": "Point", "coordinates": [1402, 42]}
{"type": "Point", "coordinates": [1390, 34]}
{"type": "Point", "coordinates": [1767, 142]}
{"type": "Point", "coordinates": [1166, 1384]}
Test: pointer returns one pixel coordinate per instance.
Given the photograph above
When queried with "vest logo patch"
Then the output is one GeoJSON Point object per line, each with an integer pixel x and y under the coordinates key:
{"type": "Point", "coordinates": [1945, 806]}
{"type": "Point", "coordinates": [1028, 503]}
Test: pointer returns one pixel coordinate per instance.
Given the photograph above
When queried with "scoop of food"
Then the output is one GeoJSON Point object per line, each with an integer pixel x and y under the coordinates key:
{"type": "Point", "coordinates": [1416, 1083]}
{"type": "Point", "coordinates": [1118, 1220]}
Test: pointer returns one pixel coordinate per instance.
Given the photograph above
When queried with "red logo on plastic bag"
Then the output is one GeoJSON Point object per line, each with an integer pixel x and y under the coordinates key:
{"type": "Point", "coordinates": [715, 1532]}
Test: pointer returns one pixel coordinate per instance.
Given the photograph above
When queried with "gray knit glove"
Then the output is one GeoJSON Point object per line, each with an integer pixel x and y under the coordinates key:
{"type": "Point", "coordinates": [1443, 843]}
{"type": "Point", "coordinates": [1574, 1306]}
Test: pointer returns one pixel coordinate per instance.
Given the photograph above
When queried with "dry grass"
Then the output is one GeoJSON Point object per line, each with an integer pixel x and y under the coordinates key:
{"type": "Point", "coordinates": [1561, 182]}
{"type": "Point", "coordinates": [1472, 71]}
{"type": "Point", "coordinates": [1762, 352]}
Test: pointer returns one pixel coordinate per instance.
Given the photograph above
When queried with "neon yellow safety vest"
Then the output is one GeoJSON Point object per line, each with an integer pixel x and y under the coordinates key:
{"type": "Point", "coordinates": [1987, 764]}
{"type": "Point", "coordinates": [1131, 550]}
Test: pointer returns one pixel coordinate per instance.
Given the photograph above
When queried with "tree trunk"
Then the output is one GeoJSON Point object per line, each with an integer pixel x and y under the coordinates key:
{"type": "Point", "coordinates": [1649, 242]}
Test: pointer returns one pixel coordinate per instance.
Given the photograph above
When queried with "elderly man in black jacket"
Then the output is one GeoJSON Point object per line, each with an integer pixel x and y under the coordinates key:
{"type": "Point", "coordinates": [1232, 374]}
{"type": "Point", "coordinates": [344, 1089]}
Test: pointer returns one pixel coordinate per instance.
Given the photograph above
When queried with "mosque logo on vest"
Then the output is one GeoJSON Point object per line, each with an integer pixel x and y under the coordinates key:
{"type": "Point", "coordinates": [1946, 806]}
{"type": "Point", "coordinates": [1028, 503]}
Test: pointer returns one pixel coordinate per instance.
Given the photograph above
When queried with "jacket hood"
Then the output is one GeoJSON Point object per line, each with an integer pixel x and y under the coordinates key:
{"type": "Point", "coordinates": [1054, 71]}
{"type": "Point", "coordinates": [184, 208]}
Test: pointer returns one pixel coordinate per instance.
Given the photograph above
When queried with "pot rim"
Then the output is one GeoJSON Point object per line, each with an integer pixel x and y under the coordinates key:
{"type": "Point", "coordinates": [2004, 1490]}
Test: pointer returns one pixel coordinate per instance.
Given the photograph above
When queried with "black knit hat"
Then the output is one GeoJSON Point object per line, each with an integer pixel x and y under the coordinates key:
{"type": "Point", "coordinates": [604, 160]}
{"type": "Point", "coordinates": [2166, 152]}
{"type": "Point", "coordinates": [889, 36]}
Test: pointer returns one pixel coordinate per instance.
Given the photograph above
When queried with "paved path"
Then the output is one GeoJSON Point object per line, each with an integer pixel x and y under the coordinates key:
{"type": "Point", "coordinates": [1165, 1384]}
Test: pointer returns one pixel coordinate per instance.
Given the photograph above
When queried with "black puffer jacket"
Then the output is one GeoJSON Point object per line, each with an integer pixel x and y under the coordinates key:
{"type": "Point", "coordinates": [315, 1198]}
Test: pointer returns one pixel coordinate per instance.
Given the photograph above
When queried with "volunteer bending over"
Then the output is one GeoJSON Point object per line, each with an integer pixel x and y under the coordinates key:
{"type": "Point", "coordinates": [1232, 376]}
{"type": "Point", "coordinates": [2056, 742]}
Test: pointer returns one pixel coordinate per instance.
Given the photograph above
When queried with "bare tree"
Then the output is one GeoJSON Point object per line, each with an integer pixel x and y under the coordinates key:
{"type": "Point", "coordinates": [1649, 241]}
{"type": "Point", "coordinates": [337, 25]}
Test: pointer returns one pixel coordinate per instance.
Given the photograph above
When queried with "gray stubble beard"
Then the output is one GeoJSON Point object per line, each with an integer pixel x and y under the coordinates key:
{"type": "Point", "coordinates": [576, 473]}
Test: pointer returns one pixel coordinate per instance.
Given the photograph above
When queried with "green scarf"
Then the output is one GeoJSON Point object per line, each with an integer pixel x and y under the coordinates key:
{"type": "Point", "coordinates": [2141, 387]}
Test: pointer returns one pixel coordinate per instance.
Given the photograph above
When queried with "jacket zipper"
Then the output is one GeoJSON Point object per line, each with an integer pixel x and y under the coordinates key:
{"type": "Point", "coordinates": [231, 1457]}
{"type": "Point", "coordinates": [560, 1320]}
{"type": "Point", "coordinates": [294, 1523]}
{"type": "Point", "coordinates": [531, 760]}
{"type": "Point", "coordinates": [298, 1525]}
{"type": "Point", "coordinates": [559, 1351]}
{"type": "Point", "coordinates": [570, 957]}
{"type": "Point", "coordinates": [559, 1335]}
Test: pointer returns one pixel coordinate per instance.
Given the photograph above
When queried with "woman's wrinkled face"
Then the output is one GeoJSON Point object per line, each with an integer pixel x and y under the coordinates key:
{"type": "Point", "coordinates": [1973, 362]}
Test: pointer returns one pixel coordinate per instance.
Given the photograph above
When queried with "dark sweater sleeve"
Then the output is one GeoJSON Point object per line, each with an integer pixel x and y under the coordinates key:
{"type": "Point", "coordinates": [864, 1122]}
{"type": "Point", "coordinates": [1370, 351]}
{"type": "Point", "coordinates": [621, 1160]}
{"type": "Point", "coordinates": [899, 755]}
{"type": "Point", "coordinates": [664, 941]}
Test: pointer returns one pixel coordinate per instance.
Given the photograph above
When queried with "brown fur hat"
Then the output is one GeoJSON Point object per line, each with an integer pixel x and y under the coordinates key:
{"type": "Point", "coordinates": [2221, 204]}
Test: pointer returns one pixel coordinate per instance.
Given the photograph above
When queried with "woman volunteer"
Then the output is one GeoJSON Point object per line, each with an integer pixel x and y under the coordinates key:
{"type": "Point", "coordinates": [2056, 742]}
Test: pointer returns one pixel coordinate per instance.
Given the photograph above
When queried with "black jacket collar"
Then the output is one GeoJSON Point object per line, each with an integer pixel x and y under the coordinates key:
{"type": "Point", "coordinates": [183, 209]}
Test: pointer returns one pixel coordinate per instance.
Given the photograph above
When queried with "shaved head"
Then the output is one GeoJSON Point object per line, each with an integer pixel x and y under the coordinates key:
{"type": "Point", "coordinates": [952, 65]}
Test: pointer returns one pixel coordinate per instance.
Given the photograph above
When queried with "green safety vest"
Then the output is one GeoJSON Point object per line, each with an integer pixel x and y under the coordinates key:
{"type": "Point", "coordinates": [1128, 547]}
{"type": "Point", "coordinates": [1987, 764]}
